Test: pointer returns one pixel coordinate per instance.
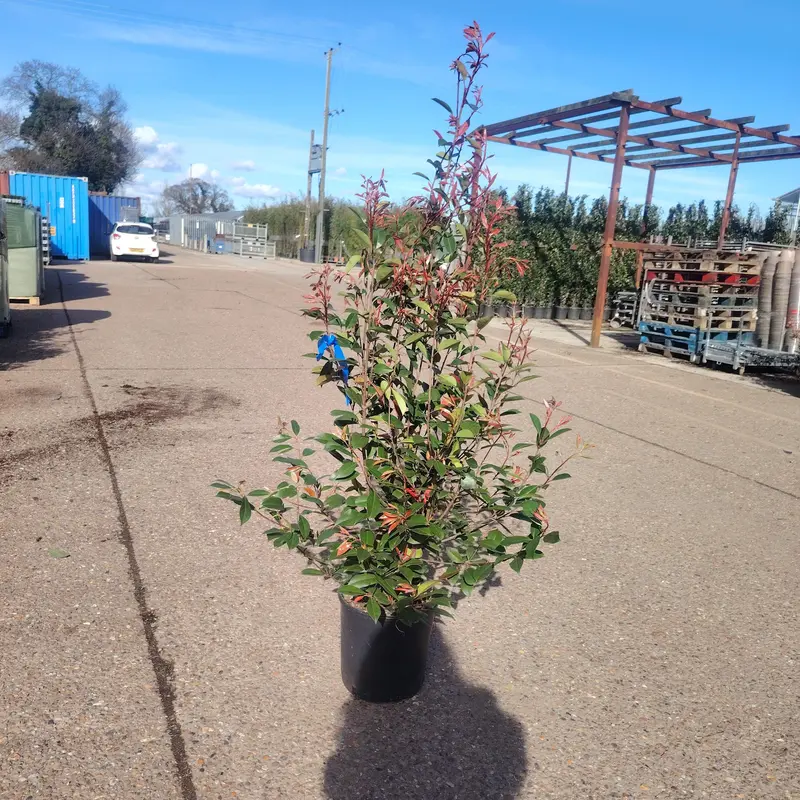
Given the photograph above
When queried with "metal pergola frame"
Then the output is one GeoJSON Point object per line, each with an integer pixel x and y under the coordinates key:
{"type": "Point", "coordinates": [655, 142]}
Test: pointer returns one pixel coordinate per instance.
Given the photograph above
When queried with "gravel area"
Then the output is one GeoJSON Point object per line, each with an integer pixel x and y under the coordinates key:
{"type": "Point", "coordinates": [150, 647]}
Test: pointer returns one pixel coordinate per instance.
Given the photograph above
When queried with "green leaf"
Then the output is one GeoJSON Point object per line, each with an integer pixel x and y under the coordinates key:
{"type": "Point", "coordinates": [483, 322]}
{"type": "Point", "coordinates": [421, 175]}
{"type": "Point", "coordinates": [462, 70]}
{"type": "Point", "coordinates": [516, 563]}
{"type": "Point", "coordinates": [373, 609]}
{"type": "Point", "coordinates": [352, 262]}
{"type": "Point", "coordinates": [423, 587]}
{"type": "Point", "coordinates": [345, 471]}
{"type": "Point", "coordinates": [311, 571]}
{"type": "Point", "coordinates": [442, 103]}
{"type": "Point", "coordinates": [259, 493]}
{"type": "Point", "coordinates": [308, 452]}
{"type": "Point", "coordinates": [561, 477]}
{"type": "Point", "coordinates": [421, 304]}
{"type": "Point", "coordinates": [493, 355]}
{"type": "Point", "coordinates": [295, 427]}
{"type": "Point", "coordinates": [57, 552]}
{"type": "Point", "coordinates": [552, 537]}
{"type": "Point", "coordinates": [272, 502]}
{"type": "Point", "coordinates": [373, 504]}
{"type": "Point", "coordinates": [364, 580]}
{"type": "Point", "coordinates": [362, 237]}
{"type": "Point", "coordinates": [305, 528]}
{"type": "Point", "coordinates": [504, 294]}
{"type": "Point", "coordinates": [537, 423]}
{"type": "Point", "coordinates": [447, 380]}
{"type": "Point", "coordinates": [559, 432]}
{"type": "Point", "coordinates": [445, 343]}
{"type": "Point", "coordinates": [351, 590]}
{"type": "Point", "coordinates": [358, 440]}
{"type": "Point", "coordinates": [221, 485]}
{"type": "Point", "coordinates": [281, 448]}
{"type": "Point", "coordinates": [245, 511]}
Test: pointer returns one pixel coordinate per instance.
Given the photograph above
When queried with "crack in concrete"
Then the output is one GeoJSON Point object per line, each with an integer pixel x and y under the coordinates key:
{"type": "Point", "coordinates": [163, 669]}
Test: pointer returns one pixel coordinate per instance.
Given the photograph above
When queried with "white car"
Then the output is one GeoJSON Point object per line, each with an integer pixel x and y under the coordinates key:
{"type": "Point", "coordinates": [134, 239]}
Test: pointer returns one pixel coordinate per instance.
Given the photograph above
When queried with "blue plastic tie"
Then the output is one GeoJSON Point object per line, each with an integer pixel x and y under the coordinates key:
{"type": "Point", "coordinates": [328, 341]}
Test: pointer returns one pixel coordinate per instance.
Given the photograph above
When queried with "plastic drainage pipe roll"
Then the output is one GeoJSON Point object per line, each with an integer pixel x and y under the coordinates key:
{"type": "Point", "coordinates": [793, 312]}
{"type": "Point", "coordinates": [765, 298]}
{"type": "Point", "coordinates": [780, 298]}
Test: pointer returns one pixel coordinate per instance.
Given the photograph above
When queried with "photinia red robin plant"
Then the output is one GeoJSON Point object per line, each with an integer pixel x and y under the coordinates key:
{"type": "Point", "coordinates": [431, 491]}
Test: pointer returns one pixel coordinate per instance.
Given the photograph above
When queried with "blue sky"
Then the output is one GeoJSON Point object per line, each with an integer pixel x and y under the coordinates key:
{"type": "Point", "coordinates": [235, 87]}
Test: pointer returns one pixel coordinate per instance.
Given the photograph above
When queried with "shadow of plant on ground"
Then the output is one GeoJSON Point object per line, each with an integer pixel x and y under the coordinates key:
{"type": "Point", "coordinates": [451, 741]}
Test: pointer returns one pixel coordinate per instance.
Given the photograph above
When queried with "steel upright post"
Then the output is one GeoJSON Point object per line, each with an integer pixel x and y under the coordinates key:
{"type": "Point", "coordinates": [611, 224]}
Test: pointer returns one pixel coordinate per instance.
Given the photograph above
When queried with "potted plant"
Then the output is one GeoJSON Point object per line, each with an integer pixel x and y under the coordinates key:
{"type": "Point", "coordinates": [421, 489]}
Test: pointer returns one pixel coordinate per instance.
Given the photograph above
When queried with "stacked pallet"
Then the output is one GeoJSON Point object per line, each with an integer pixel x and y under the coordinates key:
{"type": "Point", "coordinates": [692, 295]}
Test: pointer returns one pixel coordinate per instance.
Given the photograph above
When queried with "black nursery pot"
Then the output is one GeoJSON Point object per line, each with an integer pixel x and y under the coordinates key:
{"type": "Point", "coordinates": [383, 662]}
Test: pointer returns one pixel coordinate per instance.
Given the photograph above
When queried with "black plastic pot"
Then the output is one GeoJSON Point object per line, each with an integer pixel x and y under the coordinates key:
{"type": "Point", "coordinates": [560, 312]}
{"type": "Point", "coordinates": [574, 312]}
{"type": "Point", "coordinates": [383, 662]}
{"type": "Point", "coordinates": [503, 310]}
{"type": "Point", "coordinates": [587, 313]}
{"type": "Point", "coordinates": [529, 311]}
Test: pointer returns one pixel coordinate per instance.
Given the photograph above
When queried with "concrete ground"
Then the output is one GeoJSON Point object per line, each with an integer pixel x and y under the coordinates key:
{"type": "Point", "coordinates": [152, 648]}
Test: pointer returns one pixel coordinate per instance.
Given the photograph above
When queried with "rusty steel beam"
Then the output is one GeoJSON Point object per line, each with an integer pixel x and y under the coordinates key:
{"type": "Point", "coordinates": [654, 156]}
{"type": "Point", "coordinates": [602, 103]}
{"type": "Point", "coordinates": [647, 246]}
{"type": "Point", "coordinates": [695, 151]}
{"type": "Point", "coordinates": [768, 154]}
{"type": "Point", "coordinates": [552, 128]}
{"type": "Point", "coordinates": [746, 130]}
{"type": "Point", "coordinates": [726, 211]}
{"type": "Point", "coordinates": [611, 225]}
{"type": "Point", "coordinates": [559, 150]}
{"type": "Point", "coordinates": [598, 118]}
{"type": "Point", "coordinates": [680, 131]}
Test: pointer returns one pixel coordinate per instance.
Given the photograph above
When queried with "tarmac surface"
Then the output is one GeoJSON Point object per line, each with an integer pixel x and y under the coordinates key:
{"type": "Point", "coordinates": [152, 648]}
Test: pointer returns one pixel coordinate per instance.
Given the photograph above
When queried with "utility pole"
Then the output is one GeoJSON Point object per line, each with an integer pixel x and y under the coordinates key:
{"type": "Point", "coordinates": [307, 217]}
{"type": "Point", "coordinates": [321, 213]}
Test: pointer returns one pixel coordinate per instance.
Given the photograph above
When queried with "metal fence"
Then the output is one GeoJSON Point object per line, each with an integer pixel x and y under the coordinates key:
{"type": "Point", "coordinates": [209, 234]}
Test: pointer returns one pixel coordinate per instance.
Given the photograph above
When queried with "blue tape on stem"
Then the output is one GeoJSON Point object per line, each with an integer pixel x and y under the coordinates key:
{"type": "Point", "coordinates": [328, 342]}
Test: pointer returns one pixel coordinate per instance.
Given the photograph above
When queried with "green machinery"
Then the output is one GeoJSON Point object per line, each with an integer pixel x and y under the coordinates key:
{"type": "Point", "coordinates": [5, 311]}
{"type": "Point", "coordinates": [25, 257]}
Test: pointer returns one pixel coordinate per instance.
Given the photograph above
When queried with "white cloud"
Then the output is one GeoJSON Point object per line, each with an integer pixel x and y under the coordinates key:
{"type": "Point", "coordinates": [341, 172]}
{"type": "Point", "coordinates": [215, 173]}
{"type": "Point", "coordinates": [199, 170]}
{"type": "Point", "coordinates": [251, 190]}
{"type": "Point", "coordinates": [244, 166]}
{"type": "Point", "coordinates": [158, 155]}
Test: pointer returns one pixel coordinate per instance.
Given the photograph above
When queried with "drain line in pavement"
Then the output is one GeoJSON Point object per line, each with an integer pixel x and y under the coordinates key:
{"type": "Point", "coordinates": [162, 668]}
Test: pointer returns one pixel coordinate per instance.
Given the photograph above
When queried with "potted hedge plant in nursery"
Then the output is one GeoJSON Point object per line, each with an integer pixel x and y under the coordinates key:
{"type": "Point", "coordinates": [429, 491]}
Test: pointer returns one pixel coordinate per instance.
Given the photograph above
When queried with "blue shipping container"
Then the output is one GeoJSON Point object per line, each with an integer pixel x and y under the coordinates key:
{"type": "Point", "coordinates": [65, 203]}
{"type": "Point", "coordinates": [104, 211]}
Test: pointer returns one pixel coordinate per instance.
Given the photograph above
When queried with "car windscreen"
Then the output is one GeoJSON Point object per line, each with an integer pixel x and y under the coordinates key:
{"type": "Point", "coordinates": [144, 230]}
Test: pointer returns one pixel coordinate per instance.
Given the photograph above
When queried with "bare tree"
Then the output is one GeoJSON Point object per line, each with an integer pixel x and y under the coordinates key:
{"type": "Point", "coordinates": [194, 196]}
{"type": "Point", "coordinates": [26, 76]}
{"type": "Point", "coordinates": [60, 122]}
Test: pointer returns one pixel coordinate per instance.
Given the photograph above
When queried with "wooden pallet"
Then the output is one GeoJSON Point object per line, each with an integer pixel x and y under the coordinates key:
{"type": "Point", "coordinates": [668, 350]}
{"type": "Point", "coordinates": [705, 261]}
{"type": "Point", "coordinates": [705, 289]}
{"type": "Point", "coordinates": [701, 278]}
{"type": "Point", "coordinates": [31, 301]}
{"type": "Point", "coordinates": [703, 323]}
